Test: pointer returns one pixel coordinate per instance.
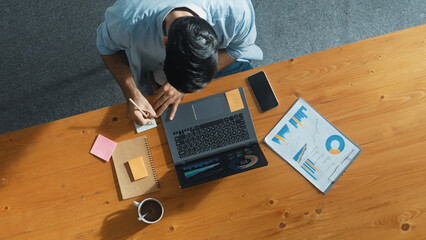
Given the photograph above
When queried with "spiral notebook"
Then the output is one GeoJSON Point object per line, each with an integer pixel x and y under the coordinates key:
{"type": "Point", "coordinates": [128, 150]}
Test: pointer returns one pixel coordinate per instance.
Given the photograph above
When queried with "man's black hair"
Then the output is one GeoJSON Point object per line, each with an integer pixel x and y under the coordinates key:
{"type": "Point", "coordinates": [191, 54]}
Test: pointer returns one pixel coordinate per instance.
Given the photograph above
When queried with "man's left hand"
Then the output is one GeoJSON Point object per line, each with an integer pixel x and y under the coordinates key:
{"type": "Point", "coordinates": [165, 96]}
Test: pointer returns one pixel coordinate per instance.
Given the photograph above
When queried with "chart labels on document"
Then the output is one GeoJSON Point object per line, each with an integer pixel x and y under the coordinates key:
{"type": "Point", "coordinates": [312, 145]}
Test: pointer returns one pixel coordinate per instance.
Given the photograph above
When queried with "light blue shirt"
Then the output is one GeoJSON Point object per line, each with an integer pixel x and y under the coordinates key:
{"type": "Point", "coordinates": [135, 26]}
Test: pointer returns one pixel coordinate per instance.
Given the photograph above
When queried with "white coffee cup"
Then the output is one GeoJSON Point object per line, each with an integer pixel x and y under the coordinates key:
{"type": "Point", "coordinates": [142, 217]}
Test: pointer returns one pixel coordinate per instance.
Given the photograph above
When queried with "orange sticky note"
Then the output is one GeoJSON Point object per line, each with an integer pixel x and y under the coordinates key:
{"type": "Point", "coordinates": [138, 168]}
{"type": "Point", "coordinates": [234, 100]}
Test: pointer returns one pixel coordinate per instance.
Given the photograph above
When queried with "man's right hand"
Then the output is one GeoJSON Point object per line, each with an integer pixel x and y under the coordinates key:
{"type": "Point", "coordinates": [119, 67]}
{"type": "Point", "coordinates": [136, 115]}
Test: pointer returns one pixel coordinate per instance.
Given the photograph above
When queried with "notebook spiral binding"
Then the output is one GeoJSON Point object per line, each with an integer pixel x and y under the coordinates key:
{"type": "Point", "coordinates": [152, 163]}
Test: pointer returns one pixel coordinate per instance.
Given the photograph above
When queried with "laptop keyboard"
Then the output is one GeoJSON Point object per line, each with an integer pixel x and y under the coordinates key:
{"type": "Point", "coordinates": [211, 135]}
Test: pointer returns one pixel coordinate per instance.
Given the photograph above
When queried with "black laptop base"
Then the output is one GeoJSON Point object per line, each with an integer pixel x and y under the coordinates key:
{"type": "Point", "coordinates": [231, 162]}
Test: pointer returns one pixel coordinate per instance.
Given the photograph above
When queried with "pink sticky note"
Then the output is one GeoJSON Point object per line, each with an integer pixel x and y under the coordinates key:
{"type": "Point", "coordinates": [103, 147]}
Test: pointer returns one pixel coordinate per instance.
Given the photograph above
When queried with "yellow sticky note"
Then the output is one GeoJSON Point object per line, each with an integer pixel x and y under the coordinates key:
{"type": "Point", "coordinates": [138, 168]}
{"type": "Point", "coordinates": [234, 100]}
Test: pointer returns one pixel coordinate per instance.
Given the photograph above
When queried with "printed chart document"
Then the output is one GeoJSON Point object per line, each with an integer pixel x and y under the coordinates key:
{"type": "Point", "coordinates": [310, 144]}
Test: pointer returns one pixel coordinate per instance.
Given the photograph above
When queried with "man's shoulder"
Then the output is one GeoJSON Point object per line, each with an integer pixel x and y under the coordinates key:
{"type": "Point", "coordinates": [133, 10]}
{"type": "Point", "coordinates": [235, 8]}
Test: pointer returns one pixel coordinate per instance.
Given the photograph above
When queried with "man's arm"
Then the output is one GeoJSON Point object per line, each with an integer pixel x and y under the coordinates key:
{"type": "Point", "coordinates": [224, 60]}
{"type": "Point", "coordinates": [119, 67]}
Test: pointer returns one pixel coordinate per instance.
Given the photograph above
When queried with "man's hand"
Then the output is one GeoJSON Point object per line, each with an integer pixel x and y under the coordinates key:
{"type": "Point", "coordinates": [119, 67]}
{"type": "Point", "coordinates": [165, 96]}
{"type": "Point", "coordinates": [136, 115]}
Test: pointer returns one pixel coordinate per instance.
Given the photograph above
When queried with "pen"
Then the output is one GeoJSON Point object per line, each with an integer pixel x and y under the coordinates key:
{"type": "Point", "coordinates": [142, 111]}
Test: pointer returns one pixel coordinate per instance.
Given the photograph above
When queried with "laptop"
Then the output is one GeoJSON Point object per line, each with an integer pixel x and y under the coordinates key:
{"type": "Point", "coordinates": [212, 138]}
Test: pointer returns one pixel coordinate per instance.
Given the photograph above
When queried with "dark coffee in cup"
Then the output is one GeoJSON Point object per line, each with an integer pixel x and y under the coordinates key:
{"type": "Point", "coordinates": [152, 209]}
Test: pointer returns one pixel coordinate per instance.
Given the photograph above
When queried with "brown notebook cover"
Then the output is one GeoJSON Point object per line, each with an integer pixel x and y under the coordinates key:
{"type": "Point", "coordinates": [128, 150]}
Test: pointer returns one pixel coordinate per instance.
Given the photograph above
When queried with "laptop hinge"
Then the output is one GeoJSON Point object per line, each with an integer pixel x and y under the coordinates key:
{"type": "Point", "coordinates": [226, 149]}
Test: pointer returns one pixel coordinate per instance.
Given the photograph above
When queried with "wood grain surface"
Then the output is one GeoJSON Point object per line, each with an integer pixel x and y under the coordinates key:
{"type": "Point", "coordinates": [373, 91]}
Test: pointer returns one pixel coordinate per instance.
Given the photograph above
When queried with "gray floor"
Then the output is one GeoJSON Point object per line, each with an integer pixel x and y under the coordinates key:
{"type": "Point", "coordinates": [50, 68]}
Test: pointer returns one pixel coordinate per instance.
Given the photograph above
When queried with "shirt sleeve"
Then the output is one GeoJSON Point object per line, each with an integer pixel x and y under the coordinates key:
{"type": "Point", "coordinates": [112, 34]}
{"type": "Point", "coordinates": [243, 46]}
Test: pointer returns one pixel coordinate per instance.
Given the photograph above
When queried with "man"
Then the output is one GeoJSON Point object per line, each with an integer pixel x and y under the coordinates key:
{"type": "Point", "coordinates": [196, 40]}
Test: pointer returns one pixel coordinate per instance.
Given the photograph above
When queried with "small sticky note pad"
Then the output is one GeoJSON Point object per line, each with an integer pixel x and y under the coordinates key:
{"type": "Point", "coordinates": [146, 126]}
{"type": "Point", "coordinates": [103, 147]}
{"type": "Point", "coordinates": [234, 100]}
{"type": "Point", "coordinates": [138, 168]}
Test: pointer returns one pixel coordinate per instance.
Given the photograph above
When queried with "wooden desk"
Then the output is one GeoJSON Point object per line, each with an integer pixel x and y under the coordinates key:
{"type": "Point", "coordinates": [373, 91]}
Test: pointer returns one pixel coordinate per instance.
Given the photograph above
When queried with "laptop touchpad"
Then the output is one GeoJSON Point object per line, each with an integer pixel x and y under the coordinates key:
{"type": "Point", "coordinates": [207, 108]}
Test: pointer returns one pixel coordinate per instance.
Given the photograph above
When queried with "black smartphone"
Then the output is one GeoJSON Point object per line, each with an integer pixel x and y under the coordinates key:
{"type": "Point", "coordinates": [263, 92]}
